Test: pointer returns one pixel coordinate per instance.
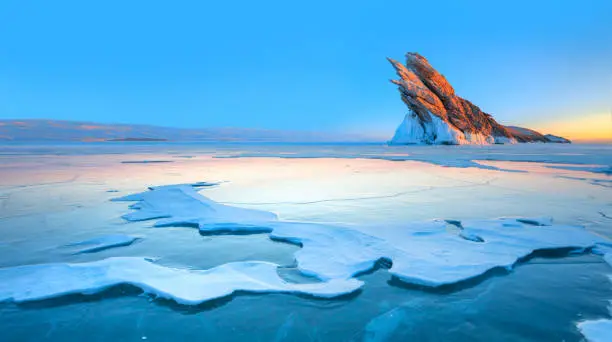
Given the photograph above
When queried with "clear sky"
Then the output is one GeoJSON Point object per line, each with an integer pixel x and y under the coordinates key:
{"type": "Point", "coordinates": [307, 65]}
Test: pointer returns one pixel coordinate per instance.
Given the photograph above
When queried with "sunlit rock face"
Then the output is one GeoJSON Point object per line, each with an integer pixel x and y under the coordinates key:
{"type": "Point", "coordinates": [436, 115]}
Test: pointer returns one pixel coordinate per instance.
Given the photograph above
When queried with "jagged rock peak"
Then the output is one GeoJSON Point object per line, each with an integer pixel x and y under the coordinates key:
{"type": "Point", "coordinates": [436, 115]}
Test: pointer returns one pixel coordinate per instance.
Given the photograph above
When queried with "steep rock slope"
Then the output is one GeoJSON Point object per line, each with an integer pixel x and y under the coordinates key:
{"type": "Point", "coordinates": [438, 116]}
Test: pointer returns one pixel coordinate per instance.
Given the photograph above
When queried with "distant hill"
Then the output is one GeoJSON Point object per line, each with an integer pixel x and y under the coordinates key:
{"type": "Point", "coordinates": [56, 130]}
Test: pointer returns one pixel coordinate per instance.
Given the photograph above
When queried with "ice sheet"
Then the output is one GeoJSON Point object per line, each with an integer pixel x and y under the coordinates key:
{"type": "Point", "coordinates": [425, 253]}
{"type": "Point", "coordinates": [185, 286]}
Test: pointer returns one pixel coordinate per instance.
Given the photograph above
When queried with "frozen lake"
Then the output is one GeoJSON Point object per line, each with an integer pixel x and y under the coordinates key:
{"type": "Point", "coordinates": [56, 207]}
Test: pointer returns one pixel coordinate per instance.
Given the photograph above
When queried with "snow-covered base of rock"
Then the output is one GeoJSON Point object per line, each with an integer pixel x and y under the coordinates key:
{"type": "Point", "coordinates": [436, 131]}
{"type": "Point", "coordinates": [426, 253]}
{"type": "Point", "coordinates": [185, 286]}
{"type": "Point", "coordinates": [557, 139]}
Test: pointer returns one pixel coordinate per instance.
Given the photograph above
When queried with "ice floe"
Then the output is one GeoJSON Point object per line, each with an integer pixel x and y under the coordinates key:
{"type": "Point", "coordinates": [184, 286]}
{"type": "Point", "coordinates": [441, 258]}
{"type": "Point", "coordinates": [182, 205]}
{"type": "Point", "coordinates": [104, 242]}
{"type": "Point", "coordinates": [425, 253]}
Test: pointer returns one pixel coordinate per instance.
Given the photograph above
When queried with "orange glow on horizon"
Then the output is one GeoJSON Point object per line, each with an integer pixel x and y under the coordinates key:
{"type": "Point", "coordinates": [588, 128]}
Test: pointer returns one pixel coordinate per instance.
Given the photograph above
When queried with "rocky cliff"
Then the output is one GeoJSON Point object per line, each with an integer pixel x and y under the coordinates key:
{"type": "Point", "coordinates": [436, 115]}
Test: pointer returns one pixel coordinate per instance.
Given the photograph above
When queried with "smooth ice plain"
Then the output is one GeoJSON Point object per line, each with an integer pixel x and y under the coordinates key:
{"type": "Point", "coordinates": [378, 243]}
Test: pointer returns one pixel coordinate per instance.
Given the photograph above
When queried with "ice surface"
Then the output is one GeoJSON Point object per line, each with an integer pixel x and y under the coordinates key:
{"type": "Point", "coordinates": [185, 286]}
{"type": "Point", "coordinates": [606, 183]}
{"type": "Point", "coordinates": [574, 157]}
{"type": "Point", "coordinates": [381, 328]}
{"type": "Point", "coordinates": [284, 330]}
{"type": "Point", "coordinates": [104, 242]}
{"type": "Point", "coordinates": [64, 208]}
{"type": "Point", "coordinates": [425, 253]}
{"type": "Point", "coordinates": [194, 185]}
{"type": "Point", "coordinates": [146, 161]}
{"type": "Point", "coordinates": [588, 168]}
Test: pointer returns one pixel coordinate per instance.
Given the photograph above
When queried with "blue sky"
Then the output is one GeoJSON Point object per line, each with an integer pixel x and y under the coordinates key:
{"type": "Point", "coordinates": [307, 65]}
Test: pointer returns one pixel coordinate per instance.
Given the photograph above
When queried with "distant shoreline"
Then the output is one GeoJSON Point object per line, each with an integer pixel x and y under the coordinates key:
{"type": "Point", "coordinates": [136, 139]}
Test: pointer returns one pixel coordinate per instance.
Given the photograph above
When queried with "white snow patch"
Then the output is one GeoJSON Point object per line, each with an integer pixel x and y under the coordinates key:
{"type": "Point", "coordinates": [599, 330]}
{"type": "Point", "coordinates": [185, 286]}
